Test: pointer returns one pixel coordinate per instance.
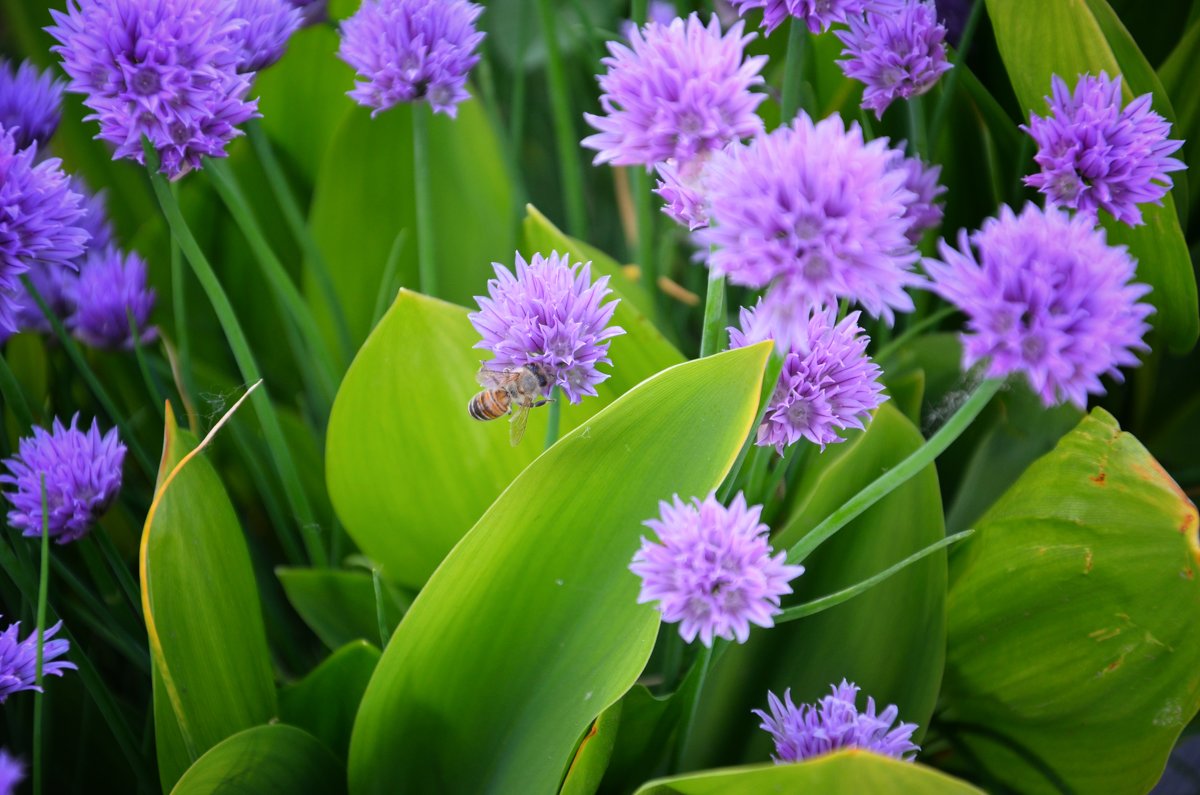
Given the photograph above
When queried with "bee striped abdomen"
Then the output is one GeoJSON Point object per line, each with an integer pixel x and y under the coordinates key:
{"type": "Point", "coordinates": [489, 404]}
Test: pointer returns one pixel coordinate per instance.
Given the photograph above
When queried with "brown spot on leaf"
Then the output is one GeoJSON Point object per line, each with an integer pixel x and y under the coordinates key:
{"type": "Point", "coordinates": [1087, 561]}
{"type": "Point", "coordinates": [1099, 479]}
{"type": "Point", "coordinates": [1187, 574]}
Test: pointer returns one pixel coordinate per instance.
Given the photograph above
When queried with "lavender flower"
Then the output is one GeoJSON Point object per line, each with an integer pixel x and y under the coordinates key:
{"type": "Point", "coordinates": [675, 92]}
{"type": "Point", "coordinates": [163, 69]}
{"type": "Point", "coordinates": [18, 659]}
{"type": "Point", "coordinates": [922, 211]}
{"type": "Point", "coordinates": [12, 772]}
{"type": "Point", "coordinates": [110, 286]}
{"type": "Point", "coordinates": [312, 12]}
{"type": "Point", "coordinates": [818, 15]}
{"type": "Point", "coordinates": [816, 210]}
{"type": "Point", "coordinates": [1045, 296]}
{"type": "Point", "coordinates": [39, 220]}
{"type": "Point", "coordinates": [712, 570]}
{"type": "Point", "coordinates": [682, 188]}
{"type": "Point", "coordinates": [30, 103]}
{"type": "Point", "coordinates": [50, 280]}
{"type": "Point", "coordinates": [550, 313]}
{"type": "Point", "coordinates": [833, 723]}
{"type": "Point", "coordinates": [897, 53]}
{"type": "Point", "coordinates": [267, 26]}
{"type": "Point", "coordinates": [1097, 155]}
{"type": "Point", "coordinates": [828, 382]}
{"type": "Point", "coordinates": [409, 50]}
{"type": "Point", "coordinates": [83, 475]}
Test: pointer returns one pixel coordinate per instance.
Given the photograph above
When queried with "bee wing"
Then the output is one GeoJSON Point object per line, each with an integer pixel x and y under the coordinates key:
{"type": "Point", "coordinates": [494, 379]}
{"type": "Point", "coordinates": [517, 423]}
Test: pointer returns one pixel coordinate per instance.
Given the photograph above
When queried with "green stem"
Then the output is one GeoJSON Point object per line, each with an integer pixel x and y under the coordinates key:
{"type": "Point", "coordinates": [272, 430]}
{"type": "Point", "coordinates": [690, 704]}
{"type": "Point", "coordinates": [14, 396]}
{"type": "Point", "coordinates": [318, 363]}
{"type": "Point", "coordinates": [948, 85]}
{"type": "Point", "coordinates": [714, 315]}
{"type": "Point", "coordinates": [423, 188]}
{"type": "Point", "coordinates": [294, 216]}
{"type": "Point", "coordinates": [379, 617]}
{"type": "Point", "coordinates": [793, 70]}
{"type": "Point", "coordinates": [639, 185]}
{"type": "Point", "coordinates": [153, 388]}
{"type": "Point", "coordinates": [770, 379]}
{"type": "Point", "coordinates": [917, 143]}
{"type": "Point", "coordinates": [916, 328]}
{"type": "Point", "coordinates": [43, 593]}
{"type": "Point", "coordinates": [899, 474]}
{"type": "Point", "coordinates": [183, 344]}
{"type": "Point", "coordinates": [552, 417]}
{"type": "Point", "coordinates": [93, 382]}
{"type": "Point", "coordinates": [570, 169]}
{"type": "Point", "coordinates": [637, 11]}
{"type": "Point", "coordinates": [387, 284]}
{"type": "Point", "coordinates": [846, 594]}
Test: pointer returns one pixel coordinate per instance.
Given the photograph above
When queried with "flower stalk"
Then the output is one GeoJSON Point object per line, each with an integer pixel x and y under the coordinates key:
{"type": "Point", "coordinates": [570, 169]}
{"type": "Point", "coordinates": [423, 189]}
{"type": "Point", "coordinates": [43, 593]}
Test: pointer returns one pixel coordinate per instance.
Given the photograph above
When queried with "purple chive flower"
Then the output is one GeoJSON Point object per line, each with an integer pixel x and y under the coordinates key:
{"type": "Point", "coordinates": [312, 12]}
{"type": "Point", "coordinates": [834, 723]}
{"type": "Point", "coordinates": [83, 476]}
{"type": "Point", "coordinates": [18, 659]}
{"type": "Point", "coordinates": [162, 69]}
{"type": "Point", "coordinates": [109, 286]}
{"type": "Point", "coordinates": [411, 50]}
{"type": "Point", "coordinates": [675, 92]}
{"type": "Point", "coordinates": [550, 313]}
{"type": "Point", "coordinates": [816, 210]}
{"type": "Point", "coordinates": [818, 15]}
{"type": "Point", "coordinates": [12, 771]}
{"type": "Point", "coordinates": [39, 221]}
{"type": "Point", "coordinates": [682, 188]}
{"type": "Point", "coordinates": [1097, 155]}
{"type": "Point", "coordinates": [897, 53]}
{"type": "Point", "coordinates": [268, 24]}
{"type": "Point", "coordinates": [1046, 296]}
{"type": "Point", "coordinates": [712, 570]}
{"type": "Point", "coordinates": [828, 383]}
{"type": "Point", "coordinates": [30, 103]}
{"type": "Point", "coordinates": [922, 211]}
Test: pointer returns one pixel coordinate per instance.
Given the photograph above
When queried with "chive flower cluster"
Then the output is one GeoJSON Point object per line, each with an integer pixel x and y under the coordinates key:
{"type": "Point", "coordinates": [410, 51]}
{"type": "Point", "coordinates": [18, 659]}
{"type": "Point", "coordinates": [833, 723]}
{"type": "Point", "coordinates": [29, 103]}
{"type": "Point", "coordinates": [817, 15]}
{"type": "Point", "coordinates": [12, 772]}
{"type": "Point", "coordinates": [712, 570]}
{"type": "Point", "coordinates": [266, 26]}
{"type": "Point", "coordinates": [551, 313]}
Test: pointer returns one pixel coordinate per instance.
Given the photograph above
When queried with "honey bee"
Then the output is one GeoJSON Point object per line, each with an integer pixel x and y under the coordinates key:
{"type": "Point", "coordinates": [514, 391]}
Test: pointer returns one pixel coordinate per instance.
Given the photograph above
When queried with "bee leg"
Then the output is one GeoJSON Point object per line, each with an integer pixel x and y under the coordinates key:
{"type": "Point", "coordinates": [540, 403]}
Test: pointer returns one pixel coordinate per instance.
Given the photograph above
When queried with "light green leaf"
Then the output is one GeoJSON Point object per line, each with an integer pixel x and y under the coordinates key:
{"type": "Point", "coordinates": [203, 616]}
{"type": "Point", "coordinates": [408, 470]}
{"type": "Point", "coordinates": [591, 758]}
{"type": "Point", "coordinates": [275, 758]}
{"type": "Point", "coordinates": [339, 605]}
{"type": "Point", "coordinates": [1038, 39]}
{"type": "Point", "coordinates": [842, 773]}
{"type": "Point", "coordinates": [530, 628]}
{"type": "Point", "coordinates": [364, 197]}
{"type": "Point", "coordinates": [1073, 620]}
{"type": "Point", "coordinates": [325, 702]}
{"type": "Point", "coordinates": [889, 640]}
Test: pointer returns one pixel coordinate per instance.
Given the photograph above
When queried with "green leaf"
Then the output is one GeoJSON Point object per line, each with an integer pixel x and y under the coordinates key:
{"type": "Point", "coordinates": [1073, 617]}
{"type": "Point", "coordinates": [1038, 39]}
{"type": "Point", "coordinates": [644, 737]}
{"type": "Point", "coordinates": [364, 197]}
{"type": "Point", "coordinates": [1179, 74]}
{"type": "Point", "coordinates": [841, 773]}
{"type": "Point", "coordinates": [325, 702]}
{"type": "Point", "coordinates": [530, 628]}
{"type": "Point", "coordinates": [591, 758]}
{"type": "Point", "coordinates": [408, 470]}
{"type": "Point", "coordinates": [339, 605]}
{"type": "Point", "coordinates": [889, 640]}
{"type": "Point", "coordinates": [275, 758]}
{"type": "Point", "coordinates": [202, 611]}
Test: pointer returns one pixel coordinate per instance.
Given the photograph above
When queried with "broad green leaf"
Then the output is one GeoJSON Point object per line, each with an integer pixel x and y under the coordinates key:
{"type": "Point", "coordinates": [889, 640]}
{"type": "Point", "coordinates": [1073, 617]}
{"type": "Point", "coordinates": [408, 470]}
{"type": "Point", "coordinates": [644, 736]}
{"type": "Point", "coordinates": [325, 702]}
{"type": "Point", "coordinates": [276, 758]}
{"type": "Point", "coordinates": [530, 628]}
{"type": "Point", "coordinates": [364, 197]}
{"type": "Point", "coordinates": [339, 605]}
{"type": "Point", "coordinates": [201, 606]}
{"type": "Point", "coordinates": [591, 758]}
{"type": "Point", "coordinates": [841, 773]}
{"type": "Point", "coordinates": [1038, 39]}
